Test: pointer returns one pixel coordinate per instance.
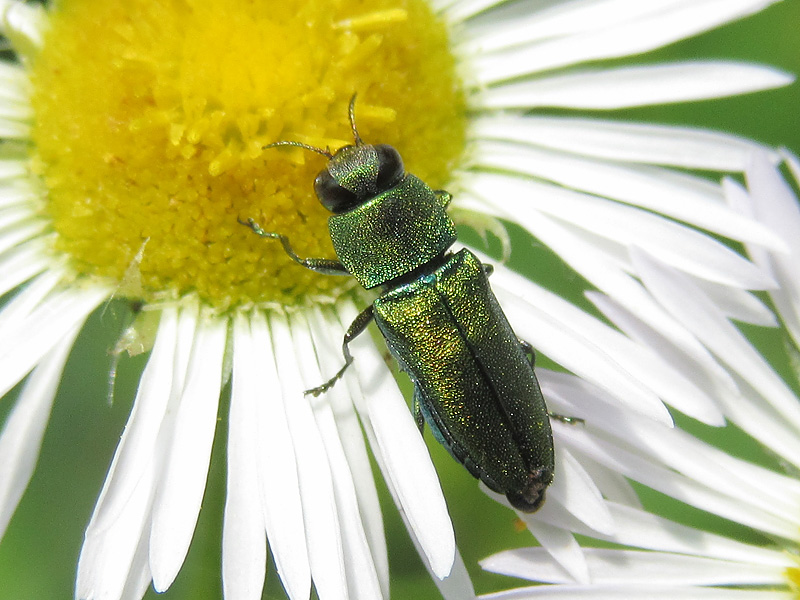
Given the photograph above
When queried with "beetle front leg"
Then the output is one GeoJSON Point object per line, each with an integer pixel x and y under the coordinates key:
{"type": "Point", "coordinates": [358, 325]}
{"type": "Point", "coordinates": [530, 353]}
{"type": "Point", "coordinates": [325, 266]}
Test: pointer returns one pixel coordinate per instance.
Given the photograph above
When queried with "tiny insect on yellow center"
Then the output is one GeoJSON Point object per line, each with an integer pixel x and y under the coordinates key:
{"type": "Point", "coordinates": [151, 120]}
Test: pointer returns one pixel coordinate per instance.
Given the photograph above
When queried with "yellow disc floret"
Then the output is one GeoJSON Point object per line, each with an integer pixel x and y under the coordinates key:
{"type": "Point", "coordinates": [151, 118]}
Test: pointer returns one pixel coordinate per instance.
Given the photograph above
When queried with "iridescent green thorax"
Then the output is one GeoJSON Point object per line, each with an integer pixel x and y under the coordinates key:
{"type": "Point", "coordinates": [393, 233]}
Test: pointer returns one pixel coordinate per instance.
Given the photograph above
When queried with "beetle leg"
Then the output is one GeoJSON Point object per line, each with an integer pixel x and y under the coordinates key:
{"type": "Point", "coordinates": [531, 354]}
{"type": "Point", "coordinates": [325, 266]}
{"type": "Point", "coordinates": [443, 196]}
{"type": "Point", "coordinates": [566, 420]}
{"type": "Point", "coordinates": [358, 325]}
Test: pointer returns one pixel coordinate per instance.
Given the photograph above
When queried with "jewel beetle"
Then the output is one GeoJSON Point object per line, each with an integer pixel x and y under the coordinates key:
{"type": "Point", "coordinates": [474, 380]}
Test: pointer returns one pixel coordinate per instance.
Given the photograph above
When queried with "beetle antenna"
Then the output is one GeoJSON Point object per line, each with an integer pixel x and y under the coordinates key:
{"type": "Point", "coordinates": [326, 153]}
{"type": "Point", "coordinates": [352, 112]}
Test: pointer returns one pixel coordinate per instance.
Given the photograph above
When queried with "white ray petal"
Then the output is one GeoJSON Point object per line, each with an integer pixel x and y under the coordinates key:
{"type": "Point", "coordinates": [180, 494]}
{"type": "Point", "coordinates": [462, 10]}
{"type": "Point", "coordinates": [562, 546]}
{"type": "Point", "coordinates": [14, 130]}
{"type": "Point", "coordinates": [677, 245]}
{"type": "Point", "coordinates": [277, 464]}
{"type": "Point", "coordinates": [572, 338]}
{"type": "Point", "coordinates": [21, 233]}
{"type": "Point", "coordinates": [15, 84]}
{"type": "Point", "coordinates": [109, 553]}
{"type": "Point", "coordinates": [244, 542]}
{"type": "Point", "coordinates": [405, 462]}
{"type": "Point", "coordinates": [692, 200]}
{"type": "Point", "coordinates": [362, 577]}
{"type": "Point", "coordinates": [575, 490]}
{"type": "Point", "coordinates": [516, 25]}
{"type": "Point", "coordinates": [688, 304]}
{"type": "Point", "coordinates": [701, 494]}
{"type": "Point", "coordinates": [645, 365]}
{"type": "Point", "coordinates": [120, 523]}
{"type": "Point", "coordinates": [15, 169]}
{"type": "Point", "coordinates": [625, 141]}
{"type": "Point", "coordinates": [622, 87]}
{"type": "Point", "coordinates": [775, 205]}
{"type": "Point", "coordinates": [749, 484]}
{"type": "Point", "coordinates": [134, 451]}
{"type": "Point", "coordinates": [645, 530]}
{"type": "Point", "coordinates": [27, 341]}
{"type": "Point", "coordinates": [22, 433]}
{"type": "Point", "coordinates": [611, 567]}
{"type": "Point", "coordinates": [353, 442]}
{"type": "Point", "coordinates": [636, 592]}
{"type": "Point", "coordinates": [676, 346]}
{"type": "Point", "coordinates": [13, 110]}
{"type": "Point", "coordinates": [139, 576]}
{"type": "Point", "coordinates": [737, 304]}
{"type": "Point", "coordinates": [612, 485]}
{"type": "Point", "coordinates": [323, 534]}
{"type": "Point", "coordinates": [23, 24]}
{"type": "Point", "coordinates": [626, 39]}
{"type": "Point", "coordinates": [25, 302]}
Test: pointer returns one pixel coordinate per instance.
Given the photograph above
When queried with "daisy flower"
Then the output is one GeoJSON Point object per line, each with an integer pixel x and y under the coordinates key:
{"type": "Point", "coordinates": [668, 559]}
{"type": "Point", "coordinates": [134, 140]}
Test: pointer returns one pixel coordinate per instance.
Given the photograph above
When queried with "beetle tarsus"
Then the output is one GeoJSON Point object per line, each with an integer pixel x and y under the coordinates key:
{"type": "Point", "coordinates": [325, 266]}
{"type": "Point", "coordinates": [566, 420]}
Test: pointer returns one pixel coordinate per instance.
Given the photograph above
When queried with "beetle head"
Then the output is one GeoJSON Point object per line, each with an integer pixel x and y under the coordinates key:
{"type": "Point", "coordinates": [355, 173]}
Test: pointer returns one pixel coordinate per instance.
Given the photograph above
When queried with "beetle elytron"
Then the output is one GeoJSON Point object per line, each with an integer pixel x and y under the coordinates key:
{"type": "Point", "coordinates": [474, 382]}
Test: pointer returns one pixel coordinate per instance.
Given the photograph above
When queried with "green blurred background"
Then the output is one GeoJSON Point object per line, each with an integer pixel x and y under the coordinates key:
{"type": "Point", "coordinates": [39, 553]}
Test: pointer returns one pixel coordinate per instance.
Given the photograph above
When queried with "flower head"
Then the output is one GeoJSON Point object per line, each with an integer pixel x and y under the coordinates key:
{"type": "Point", "coordinates": [136, 138]}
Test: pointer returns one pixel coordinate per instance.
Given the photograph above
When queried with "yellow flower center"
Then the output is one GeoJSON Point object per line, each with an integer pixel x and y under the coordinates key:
{"type": "Point", "coordinates": [151, 120]}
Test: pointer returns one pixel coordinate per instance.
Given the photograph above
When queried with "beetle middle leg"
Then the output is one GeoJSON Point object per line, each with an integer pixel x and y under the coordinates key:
{"type": "Point", "coordinates": [325, 266]}
{"type": "Point", "coordinates": [530, 353]}
{"type": "Point", "coordinates": [358, 325]}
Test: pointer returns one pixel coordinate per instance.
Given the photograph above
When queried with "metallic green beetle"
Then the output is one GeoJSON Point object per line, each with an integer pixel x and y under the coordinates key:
{"type": "Point", "coordinates": [473, 378]}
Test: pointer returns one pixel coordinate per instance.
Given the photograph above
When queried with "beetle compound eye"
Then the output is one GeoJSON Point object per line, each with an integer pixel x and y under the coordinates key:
{"type": "Point", "coordinates": [390, 167]}
{"type": "Point", "coordinates": [333, 196]}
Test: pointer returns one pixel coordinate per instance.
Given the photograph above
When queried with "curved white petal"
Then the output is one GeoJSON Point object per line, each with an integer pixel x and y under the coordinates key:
{"type": "Point", "coordinates": [21, 263]}
{"type": "Point", "coordinates": [688, 304]}
{"type": "Point", "coordinates": [352, 436]}
{"type": "Point", "coordinates": [631, 567]}
{"type": "Point", "coordinates": [27, 340]}
{"type": "Point", "coordinates": [244, 541]}
{"type": "Point", "coordinates": [623, 87]}
{"type": "Point", "coordinates": [517, 25]}
{"type": "Point", "coordinates": [645, 530]}
{"type": "Point", "coordinates": [362, 577]}
{"type": "Point", "coordinates": [323, 534]}
{"type": "Point", "coordinates": [23, 24]}
{"type": "Point", "coordinates": [405, 462]}
{"type": "Point", "coordinates": [22, 433]}
{"type": "Point", "coordinates": [630, 142]}
{"type": "Point", "coordinates": [575, 490]}
{"type": "Point", "coordinates": [118, 525]}
{"type": "Point", "coordinates": [574, 339]}
{"type": "Point", "coordinates": [618, 225]}
{"type": "Point", "coordinates": [176, 505]}
{"type": "Point", "coordinates": [277, 463]}
{"type": "Point", "coordinates": [625, 39]}
{"type": "Point", "coordinates": [774, 204]}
